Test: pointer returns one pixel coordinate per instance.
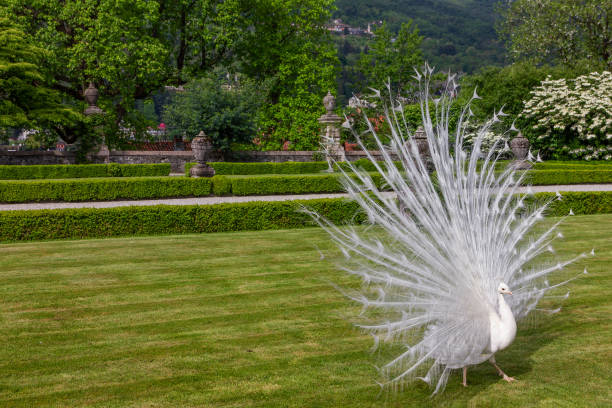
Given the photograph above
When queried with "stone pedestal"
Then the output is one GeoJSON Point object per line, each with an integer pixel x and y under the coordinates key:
{"type": "Point", "coordinates": [420, 138]}
{"type": "Point", "coordinates": [330, 130]}
{"type": "Point", "coordinates": [91, 97]}
{"type": "Point", "coordinates": [520, 149]}
{"type": "Point", "coordinates": [201, 147]}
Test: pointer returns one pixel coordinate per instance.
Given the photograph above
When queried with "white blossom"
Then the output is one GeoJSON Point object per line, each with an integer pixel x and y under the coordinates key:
{"type": "Point", "coordinates": [582, 106]}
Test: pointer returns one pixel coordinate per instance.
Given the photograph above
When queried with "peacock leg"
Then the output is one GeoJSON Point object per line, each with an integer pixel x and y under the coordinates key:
{"type": "Point", "coordinates": [500, 372]}
{"type": "Point", "coordinates": [464, 376]}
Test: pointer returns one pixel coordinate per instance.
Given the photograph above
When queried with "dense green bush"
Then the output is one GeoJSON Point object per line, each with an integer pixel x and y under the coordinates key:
{"type": "Point", "coordinates": [221, 185]}
{"type": "Point", "coordinates": [108, 222]}
{"type": "Point", "coordinates": [580, 202]}
{"type": "Point", "coordinates": [227, 116]}
{"type": "Point", "coordinates": [574, 165]}
{"type": "Point", "coordinates": [62, 171]}
{"type": "Point", "coordinates": [561, 176]}
{"type": "Point", "coordinates": [571, 118]}
{"type": "Point", "coordinates": [229, 168]}
{"type": "Point", "coordinates": [291, 184]}
{"type": "Point", "coordinates": [162, 219]}
{"type": "Point", "coordinates": [97, 189]}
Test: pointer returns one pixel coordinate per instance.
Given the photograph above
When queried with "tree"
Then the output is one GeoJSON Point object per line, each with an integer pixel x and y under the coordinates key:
{"type": "Point", "coordinates": [508, 87]}
{"type": "Point", "coordinates": [108, 42]}
{"type": "Point", "coordinates": [565, 31]}
{"type": "Point", "coordinates": [226, 114]}
{"type": "Point", "coordinates": [394, 59]}
{"type": "Point", "coordinates": [25, 100]}
{"type": "Point", "coordinates": [287, 48]}
{"type": "Point", "coordinates": [132, 48]}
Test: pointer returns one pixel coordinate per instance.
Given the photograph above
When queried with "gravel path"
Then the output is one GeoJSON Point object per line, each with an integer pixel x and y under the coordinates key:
{"type": "Point", "coordinates": [243, 199]}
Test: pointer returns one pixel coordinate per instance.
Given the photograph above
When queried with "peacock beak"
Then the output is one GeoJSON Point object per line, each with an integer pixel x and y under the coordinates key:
{"type": "Point", "coordinates": [509, 292]}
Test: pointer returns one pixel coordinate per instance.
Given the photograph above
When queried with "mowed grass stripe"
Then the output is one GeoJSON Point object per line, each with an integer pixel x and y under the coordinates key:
{"type": "Point", "coordinates": [248, 361]}
{"type": "Point", "coordinates": [249, 319]}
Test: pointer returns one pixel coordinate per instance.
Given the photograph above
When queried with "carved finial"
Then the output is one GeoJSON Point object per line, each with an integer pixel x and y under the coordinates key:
{"type": "Point", "coordinates": [329, 102]}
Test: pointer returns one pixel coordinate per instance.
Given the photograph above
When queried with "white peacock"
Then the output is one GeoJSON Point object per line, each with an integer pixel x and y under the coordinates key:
{"type": "Point", "coordinates": [450, 266]}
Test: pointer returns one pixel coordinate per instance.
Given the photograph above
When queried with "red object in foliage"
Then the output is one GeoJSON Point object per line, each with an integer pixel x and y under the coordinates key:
{"type": "Point", "coordinates": [162, 126]}
{"type": "Point", "coordinates": [350, 147]}
{"type": "Point", "coordinates": [286, 145]}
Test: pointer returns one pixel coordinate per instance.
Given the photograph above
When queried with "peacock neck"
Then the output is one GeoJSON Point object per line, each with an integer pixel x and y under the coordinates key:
{"type": "Point", "coordinates": [505, 313]}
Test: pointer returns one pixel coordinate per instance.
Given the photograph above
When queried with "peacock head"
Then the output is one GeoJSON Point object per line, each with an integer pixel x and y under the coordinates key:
{"type": "Point", "coordinates": [503, 289]}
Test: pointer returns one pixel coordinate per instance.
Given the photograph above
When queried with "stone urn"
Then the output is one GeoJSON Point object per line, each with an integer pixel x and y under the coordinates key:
{"type": "Point", "coordinates": [329, 102]}
{"type": "Point", "coordinates": [201, 147]}
{"type": "Point", "coordinates": [520, 149]}
{"type": "Point", "coordinates": [91, 97]}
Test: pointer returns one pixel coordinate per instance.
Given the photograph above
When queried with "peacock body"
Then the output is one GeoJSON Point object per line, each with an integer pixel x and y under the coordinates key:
{"type": "Point", "coordinates": [448, 266]}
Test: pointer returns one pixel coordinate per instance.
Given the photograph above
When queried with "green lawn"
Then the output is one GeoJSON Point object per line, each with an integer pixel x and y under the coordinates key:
{"type": "Point", "coordinates": [250, 319]}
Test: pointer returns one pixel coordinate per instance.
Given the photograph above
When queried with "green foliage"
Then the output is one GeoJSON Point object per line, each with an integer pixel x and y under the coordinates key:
{"type": "Point", "coordinates": [227, 116]}
{"type": "Point", "coordinates": [221, 185]}
{"type": "Point", "coordinates": [25, 100]}
{"type": "Point", "coordinates": [580, 202]}
{"type": "Point", "coordinates": [304, 74]}
{"type": "Point", "coordinates": [163, 219]}
{"type": "Point", "coordinates": [291, 184]}
{"type": "Point", "coordinates": [575, 175]}
{"type": "Point", "coordinates": [109, 42]}
{"type": "Point", "coordinates": [507, 87]}
{"type": "Point", "coordinates": [61, 171]}
{"type": "Point", "coordinates": [229, 168]}
{"type": "Point", "coordinates": [130, 49]}
{"type": "Point", "coordinates": [574, 165]}
{"type": "Point", "coordinates": [101, 189]}
{"type": "Point", "coordinates": [572, 118]}
{"type": "Point", "coordinates": [565, 31]}
{"type": "Point", "coordinates": [458, 34]}
{"type": "Point", "coordinates": [393, 59]}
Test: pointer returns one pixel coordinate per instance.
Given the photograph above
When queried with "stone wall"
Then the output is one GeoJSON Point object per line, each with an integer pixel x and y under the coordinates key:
{"type": "Point", "coordinates": [176, 158]}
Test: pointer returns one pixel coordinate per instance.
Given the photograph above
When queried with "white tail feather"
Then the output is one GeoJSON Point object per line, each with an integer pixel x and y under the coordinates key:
{"type": "Point", "coordinates": [432, 265]}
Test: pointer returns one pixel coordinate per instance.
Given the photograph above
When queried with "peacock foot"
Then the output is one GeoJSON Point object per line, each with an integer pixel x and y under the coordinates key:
{"type": "Point", "coordinates": [508, 379]}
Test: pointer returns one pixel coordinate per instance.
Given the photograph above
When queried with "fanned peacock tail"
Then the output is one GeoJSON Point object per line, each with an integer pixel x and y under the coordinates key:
{"type": "Point", "coordinates": [442, 243]}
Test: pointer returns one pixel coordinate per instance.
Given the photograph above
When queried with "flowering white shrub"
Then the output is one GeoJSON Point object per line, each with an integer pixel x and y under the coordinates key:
{"type": "Point", "coordinates": [573, 118]}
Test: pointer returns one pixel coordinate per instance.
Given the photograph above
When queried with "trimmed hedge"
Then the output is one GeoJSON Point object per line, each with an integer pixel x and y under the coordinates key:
{"type": "Point", "coordinates": [290, 184]}
{"type": "Point", "coordinates": [573, 166]}
{"type": "Point", "coordinates": [62, 171]}
{"type": "Point", "coordinates": [97, 189]}
{"type": "Point", "coordinates": [580, 202]}
{"type": "Point", "coordinates": [162, 219]}
{"type": "Point", "coordinates": [571, 163]}
{"type": "Point", "coordinates": [559, 177]}
{"type": "Point", "coordinates": [230, 169]}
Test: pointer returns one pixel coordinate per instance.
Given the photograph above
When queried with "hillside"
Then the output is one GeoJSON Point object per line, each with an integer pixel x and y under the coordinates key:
{"type": "Point", "coordinates": [459, 34]}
